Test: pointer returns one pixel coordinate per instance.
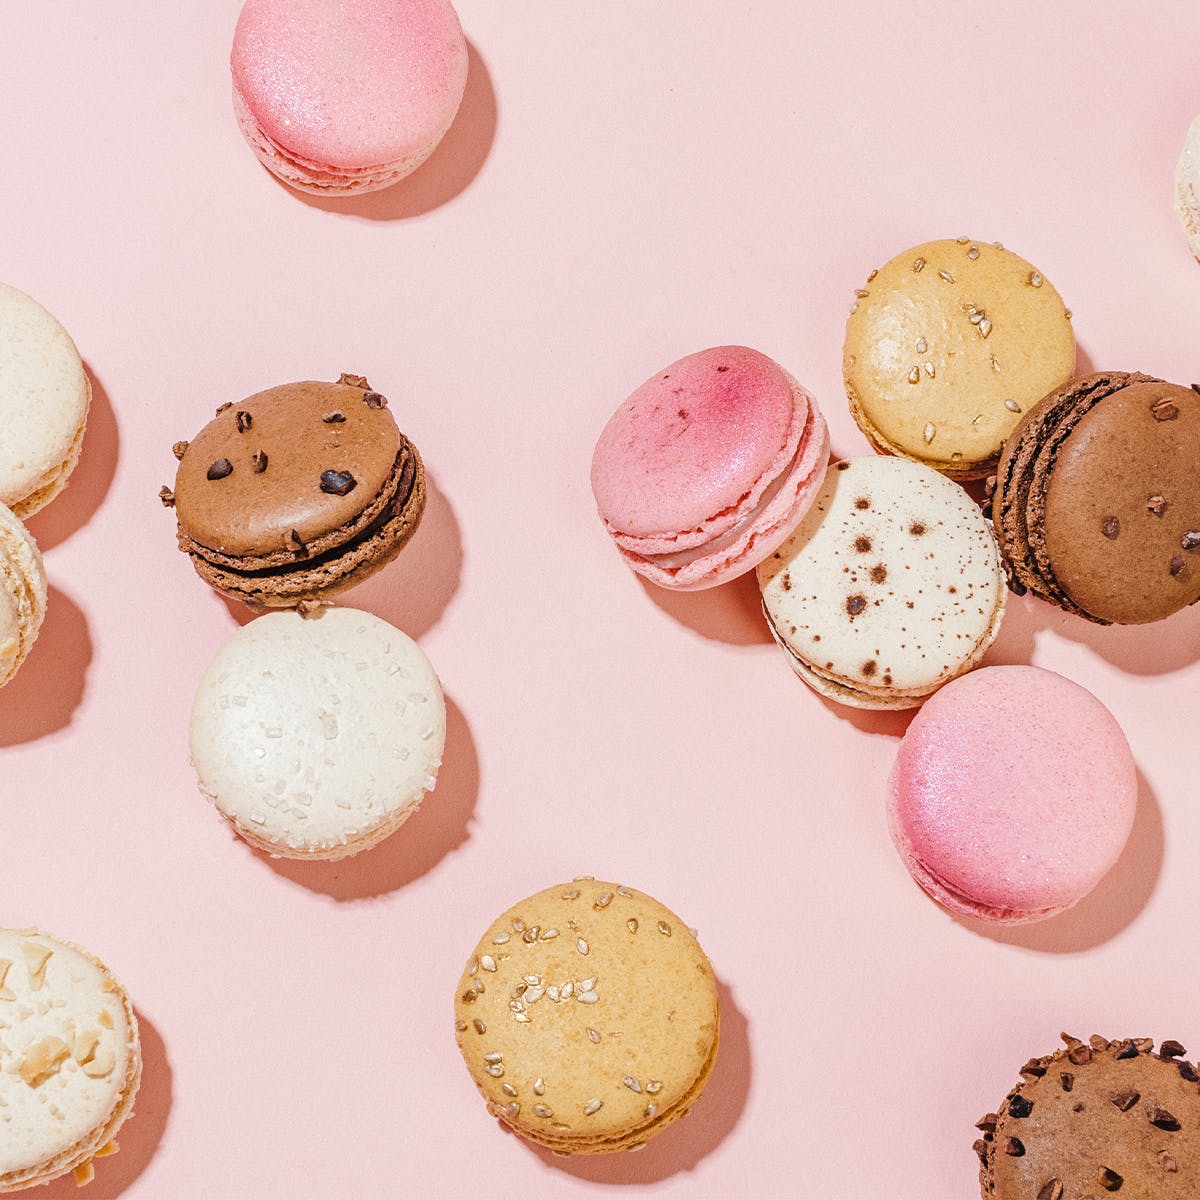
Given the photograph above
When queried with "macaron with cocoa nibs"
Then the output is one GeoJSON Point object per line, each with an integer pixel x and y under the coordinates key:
{"type": "Point", "coordinates": [946, 345]}
{"type": "Point", "coordinates": [588, 1018]}
{"type": "Point", "coordinates": [1097, 498]}
{"type": "Point", "coordinates": [297, 492]}
{"type": "Point", "coordinates": [1096, 1118]}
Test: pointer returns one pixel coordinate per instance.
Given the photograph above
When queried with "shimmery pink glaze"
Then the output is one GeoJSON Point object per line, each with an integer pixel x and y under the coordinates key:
{"type": "Point", "coordinates": [355, 85]}
{"type": "Point", "coordinates": [1012, 795]}
{"type": "Point", "coordinates": [716, 458]}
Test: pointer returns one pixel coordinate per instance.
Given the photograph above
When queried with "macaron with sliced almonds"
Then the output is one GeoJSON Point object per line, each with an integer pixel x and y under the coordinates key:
{"type": "Point", "coordinates": [70, 1059]}
{"type": "Point", "coordinates": [588, 1017]}
{"type": "Point", "coordinates": [946, 345]}
{"type": "Point", "coordinates": [297, 493]}
{"type": "Point", "coordinates": [705, 468]}
{"type": "Point", "coordinates": [890, 585]}
{"type": "Point", "coordinates": [1094, 1119]}
{"type": "Point", "coordinates": [317, 737]}
{"type": "Point", "coordinates": [338, 97]}
{"type": "Point", "coordinates": [1097, 498]}
{"type": "Point", "coordinates": [44, 399]}
{"type": "Point", "coordinates": [1010, 827]}
{"type": "Point", "coordinates": [23, 593]}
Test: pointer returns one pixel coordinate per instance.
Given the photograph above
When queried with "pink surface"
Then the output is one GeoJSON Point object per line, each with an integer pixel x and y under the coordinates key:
{"type": "Point", "coordinates": [349, 83]}
{"type": "Point", "coordinates": [1012, 794]}
{"type": "Point", "coordinates": [708, 466]}
{"type": "Point", "coordinates": [629, 180]}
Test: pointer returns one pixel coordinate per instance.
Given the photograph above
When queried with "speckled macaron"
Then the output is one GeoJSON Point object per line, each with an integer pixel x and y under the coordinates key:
{"type": "Point", "coordinates": [23, 593]}
{"type": "Point", "coordinates": [44, 399]}
{"type": "Point", "coordinates": [1094, 1119]}
{"type": "Point", "coordinates": [317, 736]}
{"type": "Point", "coordinates": [1097, 498]}
{"type": "Point", "coordinates": [70, 1059]}
{"type": "Point", "coordinates": [297, 493]}
{"type": "Point", "coordinates": [889, 587]}
{"type": "Point", "coordinates": [588, 1017]}
{"type": "Point", "coordinates": [946, 345]}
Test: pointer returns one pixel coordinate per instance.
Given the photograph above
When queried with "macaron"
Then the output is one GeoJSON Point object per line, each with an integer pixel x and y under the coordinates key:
{"type": "Point", "coordinates": [1012, 794]}
{"type": "Point", "coordinates": [316, 737]}
{"type": "Point", "coordinates": [70, 1059]}
{"type": "Point", "coordinates": [44, 399]}
{"type": "Point", "coordinates": [338, 97]}
{"type": "Point", "coordinates": [889, 586]}
{"type": "Point", "coordinates": [297, 493]}
{"type": "Point", "coordinates": [946, 345]}
{"type": "Point", "coordinates": [1187, 187]}
{"type": "Point", "coordinates": [704, 470]}
{"type": "Point", "coordinates": [1097, 498]}
{"type": "Point", "coordinates": [588, 1017]}
{"type": "Point", "coordinates": [1096, 1118]}
{"type": "Point", "coordinates": [23, 592]}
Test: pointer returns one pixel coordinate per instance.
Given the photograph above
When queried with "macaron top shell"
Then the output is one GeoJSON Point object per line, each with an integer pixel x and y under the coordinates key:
{"type": "Point", "coordinates": [1012, 794]}
{"type": "Point", "coordinates": [44, 397]}
{"type": "Point", "coordinates": [350, 83]}
{"type": "Point", "coordinates": [695, 446]}
{"type": "Point", "coordinates": [1122, 506]}
{"type": "Point", "coordinates": [70, 1038]}
{"type": "Point", "coordinates": [947, 344]}
{"type": "Point", "coordinates": [328, 450]}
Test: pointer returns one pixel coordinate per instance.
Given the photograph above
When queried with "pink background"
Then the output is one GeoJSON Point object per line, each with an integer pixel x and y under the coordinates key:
{"type": "Point", "coordinates": [627, 182]}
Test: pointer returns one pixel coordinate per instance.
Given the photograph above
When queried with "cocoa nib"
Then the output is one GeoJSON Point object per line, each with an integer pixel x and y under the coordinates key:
{"type": "Point", "coordinates": [259, 462]}
{"type": "Point", "coordinates": [374, 400]}
{"type": "Point", "coordinates": [337, 483]}
{"type": "Point", "coordinates": [1164, 410]}
{"type": "Point", "coordinates": [1019, 1106]}
{"type": "Point", "coordinates": [334, 418]}
{"type": "Point", "coordinates": [243, 420]}
{"type": "Point", "coordinates": [166, 496]}
{"type": "Point", "coordinates": [1171, 1049]}
{"type": "Point", "coordinates": [1161, 1119]}
{"type": "Point", "coordinates": [1191, 539]}
{"type": "Point", "coordinates": [1111, 528]}
{"type": "Point", "coordinates": [179, 449]}
{"type": "Point", "coordinates": [358, 381]}
{"type": "Point", "coordinates": [220, 469]}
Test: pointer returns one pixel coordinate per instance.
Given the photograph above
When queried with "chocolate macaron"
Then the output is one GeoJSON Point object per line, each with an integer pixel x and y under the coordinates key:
{"type": "Point", "coordinates": [1093, 1119]}
{"type": "Point", "coordinates": [297, 493]}
{"type": "Point", "coordinates": [1097, 499]}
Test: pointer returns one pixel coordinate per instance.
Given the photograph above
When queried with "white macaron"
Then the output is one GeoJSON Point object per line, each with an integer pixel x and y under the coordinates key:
{"type": "Point", "coordinates": [317, 736]}
{"type": "Point", "coordinates": [888, 588]}
{"type": "Point", "coordinates": [70, 1059]}
{"type": "Point", "coordinates": [23, 591]}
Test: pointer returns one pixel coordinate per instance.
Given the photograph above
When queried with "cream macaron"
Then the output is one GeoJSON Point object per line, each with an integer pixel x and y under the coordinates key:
{"type": "Point", "coordinates": [317, 736]}
{"type": "Point", "coordinates": [23, 592]}
{"type": "Point", "coordinates": [70, 1059]}
{"type": "Point", "coordinates": [44, 399]}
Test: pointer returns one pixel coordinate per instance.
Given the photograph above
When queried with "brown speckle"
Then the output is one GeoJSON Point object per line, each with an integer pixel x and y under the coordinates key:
{"type": "Point", "coordinates": [862, 503]}
{"type": "Point", "coordinates": [887, 679]}
{"type": "Point", "coordinates": [787, 581]}
{"type": "Point", "coordinates": [683, 414]}
{"type": "Point", "coordinates": [862, 544]}
{"type": "Point", "coordinates": [1111, 528]}
{"type": "Point", "coordinates": [855, 604]}
{"type": "Point", "coordinates": [869, 667]}
{"type": "Point", "coordinates": [917, 529]}
{"type": "Point", "coordinates": [878, 573]}
{"type": "Point", "coordinates": [220, 469]}
{"type": "Point", "coordinates": [722, 369]}
{"type": "Point", "coordinates": [843, 465]}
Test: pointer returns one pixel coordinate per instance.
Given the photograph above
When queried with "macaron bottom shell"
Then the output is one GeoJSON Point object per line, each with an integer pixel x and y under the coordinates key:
{"type": "Point", "coordinates": [55, 480]}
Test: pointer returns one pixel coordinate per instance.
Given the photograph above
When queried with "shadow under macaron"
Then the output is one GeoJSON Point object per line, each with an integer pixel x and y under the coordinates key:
{"type": "Point", "coordinates": [88, 484]}
{"type": "Point", "coordinates": [439, 826]}
{"type": "Point", "coordinates": [730, 612]}
{"type": "Point", "coordinates": [1111, 907]}
{"type": "Point", "coordinates": [445, 174]}
{"type": "Point", "coordinates": [49, 686]}
{"type": "Point", "coordinates": [682, 1145]}
{"type": "Point", "coordinates": [141, 1135]}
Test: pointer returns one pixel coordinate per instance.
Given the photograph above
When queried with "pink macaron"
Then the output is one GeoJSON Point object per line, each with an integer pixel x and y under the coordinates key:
{"type": "Point", "coordinates": [1012, 795]}
{"type": "Point", "coordinates": [345, 96]}
{"type": "Point", "coordinates": [706, 468]}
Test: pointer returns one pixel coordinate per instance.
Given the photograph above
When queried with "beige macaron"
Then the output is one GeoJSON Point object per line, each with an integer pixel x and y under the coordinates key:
{"type": "Point", "coordinates": [44, 398]}
{"type": "Point", "coordinates": [946, 346]}
{"type": "Point", "coordinates": [23, 592]}
{"type": "Point", "coordinates": [70, 1059]}
{"type": "Point", "coordinates": [588, 1017]}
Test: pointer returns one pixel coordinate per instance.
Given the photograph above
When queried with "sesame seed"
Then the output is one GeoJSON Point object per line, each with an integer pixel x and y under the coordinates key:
{"type": "Point", "coordinates": [592, 1106]}
{"type": "Point", "coordinates": [524, 1017]}
{"type": "Point", "coordinates": [552, 992]}
{"type": "Point", "coordinates": [566, 990]}
{"type": "Point", "coordinates": [914, 376]}
{"type": "Point", "coordinates": [985, 327]}
{"type": "Point", "coordinates": [962, 241]}
{"type": "Point", "coordinates": [593, 1036]}
{"type": "Point", "coordinates": [1012, 406]}
{"type": "Point", "coordinates": [584, 879]}
{"type": "Point", "coordinates": [861, 293]}
{"type": "Point", "coordinates": [975, 316]}
{"type": "Point", "coordinates": [632, 1083]}
{"type": "Point", "coordinates": [508, 1089]}
{"type": "Point", "coordinates": [946, 276]}
{"type": "Point", "coordinates": [664, 929]}
{"type": "Point", "coordinates": [930, 433]}
{"type": "Point", "coordinates": [603, 900]}
{"type": "Point", "coordinates": [654, 1087]}
{"type": "Point", "coordinates": [532, 980]}
{"type": "Point", "coordinates": [518, 1006]}
{"type": "Point", "coordinates": [572, 894]}
{"type": "Point", "coordinates": [872, 276]}
{"type": "Point", "coordinates": [995, 365]}
{"type": "Point", "coordinates": [495, 1069]}
{"type": "Point", "coordinates": [531, 934]}
{"type": "Point", "coordinates": [632, 925]}
{"type": "Point", "coordinates": [480, 1027]}
{"type": "Point", "coordinates": [922, 345]}
{"type": "Point", "coordinates": [587, 997]}
{"type": "Point", "coordinates": [918, 266]}
{"type": "Point", "coordinates": [929, 369]}
{"type": "Point", "coordinates": [494, 1057]}
{"type": "Point", "coordinates": [540, 1110]}
{"type": "Point", "coordinates": [518, 924]}
{"type": "Point", "coordinates": [973, 253]}
{"type": "Point", "coordinates": [487, 962]}
{"type": "Point", "coordinates": [650, 1110]}
{"type": "Point", "coordinates": [1069, 314]}
{"type": "Point", "coordinates": [539, 1086]}
{"type": "Point", "coordinates": [460, 1025]}
{"type": "Point", "coordinates": [511, 1110]}
{"type": "Point", "coordinates": [534, 995]}
{"type": "Point", "coordinates": [500, 939]}
{"type": "Point", "coordinates": [548, 935]}
{"type": "Point", "coordinates": [581, 945]}
{"type": "Point", "coordinates": [474, 967]}
{"type": "Point", "coordinates": [1035, 280]}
